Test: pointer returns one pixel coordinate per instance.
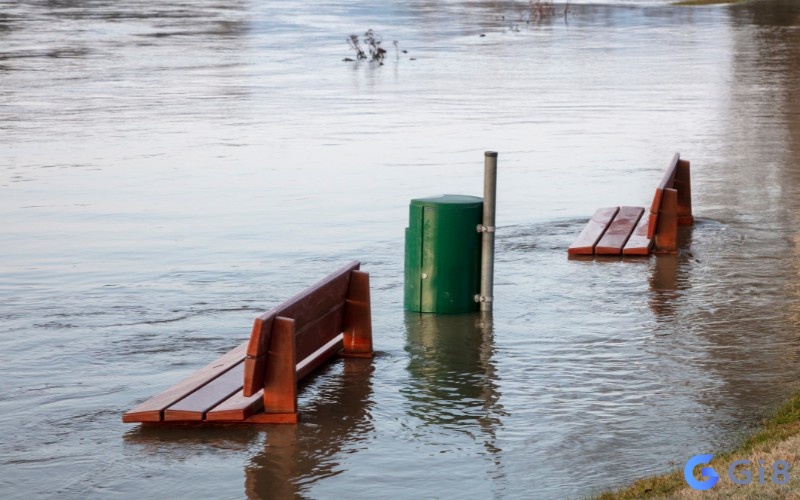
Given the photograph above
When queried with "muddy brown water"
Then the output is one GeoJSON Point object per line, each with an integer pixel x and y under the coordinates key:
{"type": "Point", "coordinates": [170, 170]}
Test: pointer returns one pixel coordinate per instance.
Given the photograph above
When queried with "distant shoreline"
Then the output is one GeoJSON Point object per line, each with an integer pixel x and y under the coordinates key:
{"type": "Point", "coordinates": [691, 3]}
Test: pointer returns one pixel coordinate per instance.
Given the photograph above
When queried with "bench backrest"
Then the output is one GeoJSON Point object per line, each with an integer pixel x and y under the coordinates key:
{"type": "Point", "coordinates": [332, 317]}
{"type": "Point", "coordinates": [318, 313]}
{"type": "Point", "coordinates": [667, 182]}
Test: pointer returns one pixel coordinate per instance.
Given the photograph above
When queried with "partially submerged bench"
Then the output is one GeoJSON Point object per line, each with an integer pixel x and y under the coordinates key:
{"type": "Point", "coordinates": [257, 381]}
{"type": "Point", "coordinates": [631, 231]}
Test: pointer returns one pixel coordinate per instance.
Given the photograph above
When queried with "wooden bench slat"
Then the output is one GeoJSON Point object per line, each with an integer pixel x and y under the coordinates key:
{"type": "Point", "coordinates": [639, 243]}
{"type": "Point", "coordinates": [669, 175]}
{"type": "Point", "coordinates": [324, 295]}
{"type": "Point", "coordinates": [195, 405]}
{"type": "Point", "coordinates": [683, 185]}
{"type": "Point", "coordinates": [280, 381]}
{"type": "Point", "coordinates": [358, 318]}
{"type": "Point", "coordinates": [307, 340]}
{"type": "Point", "coordinates": [254, 370]}
{"type": "Point", "coordinates": [654, 207]}
{"type": "Point", "coordinates": [237, 407]}
{"type": "Point", "coordinates": [594, 230]}
{"type": "Point", "coordinates": [260, 335]}
{"type": "Point", "coordinates": [152, 409]}
{"type": "Point", "coordinates": [666, 235]}
{"type": "Point", "coordinates": [240, 407]}
{"type": "Point", "coordinates": [667, 182]}
{"type": "Point", "coordinates": [619, 231]}
{"type": "Point", "coordinates": [319, 332]}
{"type": "Point", "coordinates": [318, 357]}
{"type": "Point", "coordinates": [303, 307]}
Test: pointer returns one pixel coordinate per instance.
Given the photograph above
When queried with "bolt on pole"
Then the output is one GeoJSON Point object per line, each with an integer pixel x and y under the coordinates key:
{"type": "Point", "coordinates": [488, 227]}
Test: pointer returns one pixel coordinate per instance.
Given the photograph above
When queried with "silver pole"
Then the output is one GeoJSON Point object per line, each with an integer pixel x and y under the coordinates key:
{"type": "Point", "coordinates": [487, 241]}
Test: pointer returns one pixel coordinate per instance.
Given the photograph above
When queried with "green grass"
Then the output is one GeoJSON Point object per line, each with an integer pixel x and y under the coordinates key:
{"type": "Point", "coordinates": [784, 424]}
{"type": "Point", "coordinates": [775, 431]}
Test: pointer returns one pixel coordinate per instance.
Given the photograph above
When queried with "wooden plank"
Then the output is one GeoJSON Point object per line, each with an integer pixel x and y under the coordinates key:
{"type": "Point", "coordinates": [639, 243]}
{"type": "Point", "coordinates": [254, 370]}
{"type": "Point", "coordinates": [304, 307]}
{"type": "Point", "coordinates": [666, 238]}
{"type": "Point", "coordinates": [669, 175]}
{"type": "Point", "coordinates": [320, 356]}
{"type": "Point", "coordinates": [280, 382]}
{"type": "Point", "coordinates": [683, 184]}
{"type": "Point", "coordinates": [318, 333]}
{"type": "Point", "coordinates": [195, 405]}
{"type": "Point", "coordinates": [259, 336]}
{"type": "Point", "coordinates": [617, 234]}
{"type": "Point", "coordinates": [240, 407]}
{"type": "Point", "coordinates": [307, 341]}
{"type": "Point", "coordinates": [654, 207]}
{"type": "Point", "coordinates": [237, 407]}
{"type": "Point", "coordinates": [152, 409]}
{"type": "Point", "coordinates": [667, 182]}
{"type": "Point", "coordinates": [358, 317]}
{"type": "Point", "coordinates": [594, 230]}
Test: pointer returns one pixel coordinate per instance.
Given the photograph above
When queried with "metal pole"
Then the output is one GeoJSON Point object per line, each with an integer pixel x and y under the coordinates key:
{"type": "Point", "coordinates": [487, 240]}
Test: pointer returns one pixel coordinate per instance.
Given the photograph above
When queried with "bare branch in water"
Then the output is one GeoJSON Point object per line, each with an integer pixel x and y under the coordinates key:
{"type": "Point", "coordinates": [355, 45]}
{"type": "Point", "coordinates": [372, 41]}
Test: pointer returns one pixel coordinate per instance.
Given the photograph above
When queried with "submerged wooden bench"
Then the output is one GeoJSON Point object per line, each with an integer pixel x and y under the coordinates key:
{"type": "Point", "coordinates": [256, 382]}
{"type": "Point", "coordinates": [631, 231]}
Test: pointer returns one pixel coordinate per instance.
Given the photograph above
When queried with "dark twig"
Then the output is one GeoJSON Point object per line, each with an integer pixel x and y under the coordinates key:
{"type": "Point", "coordinates": [373, 44]}
{"type": "Point", "coordinates": [355, 45]}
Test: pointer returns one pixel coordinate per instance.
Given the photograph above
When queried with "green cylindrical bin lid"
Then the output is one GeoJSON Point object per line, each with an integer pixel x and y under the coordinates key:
{"type": "Point", "coordinates": [449, 201]}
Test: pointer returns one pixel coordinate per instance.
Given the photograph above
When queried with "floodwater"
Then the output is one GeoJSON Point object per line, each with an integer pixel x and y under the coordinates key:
{"type": "Point", "coordinates": [168, 170]}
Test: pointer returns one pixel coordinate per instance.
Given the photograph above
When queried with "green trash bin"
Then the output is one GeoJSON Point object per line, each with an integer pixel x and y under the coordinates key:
{"type": "Point", "coordinates": [443, 254]}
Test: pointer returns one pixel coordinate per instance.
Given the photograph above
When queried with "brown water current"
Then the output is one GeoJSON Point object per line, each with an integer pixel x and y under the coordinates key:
{"type": "Point", "coordinates": [168, 170]}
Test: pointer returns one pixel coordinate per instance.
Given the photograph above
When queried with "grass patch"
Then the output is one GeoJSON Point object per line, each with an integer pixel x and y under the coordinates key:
{"type": "Point", "coordinates": [778, 439]}
{"type": "Point", "coordinates": [706, 2]}
{"type": "Point", "coordinates": [784, 424]}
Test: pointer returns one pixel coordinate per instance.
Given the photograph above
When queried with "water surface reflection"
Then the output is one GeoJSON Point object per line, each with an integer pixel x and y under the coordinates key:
{"type": "Point", "coordinates": [670, 277]}
{"type": "Point", "coordinates": [336, 420]}
{"type": "Point", "coordinates": [453, 377]}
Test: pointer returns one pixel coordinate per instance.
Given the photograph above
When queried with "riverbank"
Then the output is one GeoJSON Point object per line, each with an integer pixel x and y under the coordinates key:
{"type": "Point", "coordinates": [778, 439]}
